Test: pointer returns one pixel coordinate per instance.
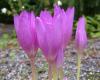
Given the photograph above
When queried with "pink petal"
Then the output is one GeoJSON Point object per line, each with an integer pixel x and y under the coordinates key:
{"type": "Point", "coordinates": [41, 35]}
{"type": "Point", "coordinates": [57, 33]}
{"type": "Point", "coordinates": [70, 19]}
{"type": "Point", "coordinates": [57, 10]}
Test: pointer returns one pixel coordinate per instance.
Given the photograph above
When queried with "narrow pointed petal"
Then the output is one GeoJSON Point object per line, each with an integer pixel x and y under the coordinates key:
{"type": "Point", "coordinates": [41, 35]}
{"type": "Point", "coordinates": [57, 33]}
{"type": "Point", "coordinates": [57, 10]}
{"type": "Point", "coordinates": [70, 19]}
{"type": "Point", "coordinates": [81, 36]}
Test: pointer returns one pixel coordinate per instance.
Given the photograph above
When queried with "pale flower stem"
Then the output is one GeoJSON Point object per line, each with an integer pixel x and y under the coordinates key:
{"type": "Point", "coordinates": [54, 72]}
{"type": "Point", "coordinates": [49, 73]}
{"type": "Point", "coordinates": [34, 76]}
{"type": "Point", "coordinates": [34, 73]}
{"type": "Point", "coordinates": [61, 73]}
{"type": "Point", "coordinates": [78, 65]}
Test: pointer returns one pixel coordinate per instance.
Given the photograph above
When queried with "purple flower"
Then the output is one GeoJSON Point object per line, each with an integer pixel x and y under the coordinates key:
{"type": "Point", "coordinates": [49, 34]}
{"type": "Point", "coordinates": [81, 36]}
{"type": "Point", "coordinates": [67, 22]}
{"type": "Point", "coordinates": [55, 32]}
{"type": "Point", "coordinates": [67, 18]}
{"type": "Point", "coordinates": [26, 34]}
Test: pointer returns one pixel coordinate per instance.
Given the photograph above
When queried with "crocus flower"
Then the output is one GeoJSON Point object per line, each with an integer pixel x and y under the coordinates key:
{"type": "Point", "coordinates": [49, 36]}
{"type": "Point", "coordinates": [52, 33]}
{"type": "Point", "coordinates": [67, 22]}
{"type": "Point", "coordinates": [26, 34]}
{"type": "Point", "coordinates": [67, 18]}
{"type": "Point", "coordinates": [80, 42]}
{"type": "Point", "coordinates": [81, 36]}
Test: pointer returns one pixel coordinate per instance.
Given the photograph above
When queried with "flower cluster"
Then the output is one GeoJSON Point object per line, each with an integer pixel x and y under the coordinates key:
{"type": "Point", "coordinates": [50, 33]}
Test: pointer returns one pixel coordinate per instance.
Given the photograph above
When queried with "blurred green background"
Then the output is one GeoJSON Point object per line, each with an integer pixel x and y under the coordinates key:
{"type": "Point", "coordinates": [89, 8]}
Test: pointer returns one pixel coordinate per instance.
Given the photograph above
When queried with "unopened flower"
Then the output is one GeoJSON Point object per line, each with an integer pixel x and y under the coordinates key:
{"type": "Point", "coordinates": [80, 42]}
{"type": "Point", "coordinates": [81, 36]}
